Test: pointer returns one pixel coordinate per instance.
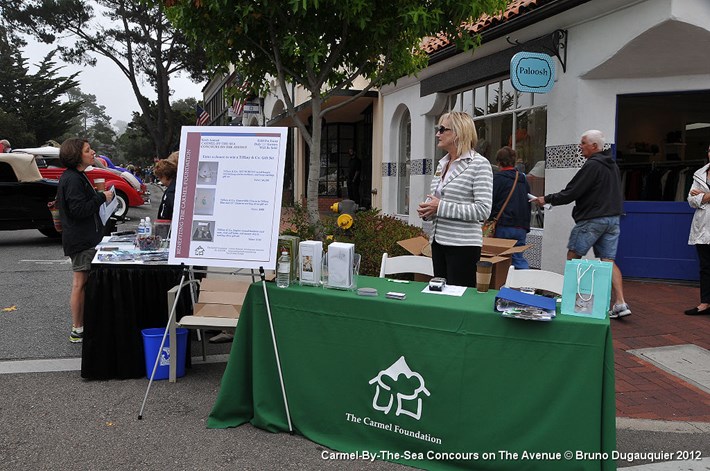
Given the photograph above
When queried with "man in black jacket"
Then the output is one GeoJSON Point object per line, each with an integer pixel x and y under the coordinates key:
{"type": "Point", "coordinates": [596, 191]}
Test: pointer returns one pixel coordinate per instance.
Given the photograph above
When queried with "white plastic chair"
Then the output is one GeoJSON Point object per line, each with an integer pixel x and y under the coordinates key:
{"type": "Point", "coordinates": [538, 279]}
{"type": "Point", "coordinates": [199, 323]}
{"type": "Point", "coordinates": [406, 264]}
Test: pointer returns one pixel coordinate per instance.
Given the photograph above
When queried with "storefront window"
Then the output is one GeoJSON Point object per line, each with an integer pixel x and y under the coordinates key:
{"type": "Point", "coordinates": [479, 101]}
{"type": "Point", "coordinates": [403, 163]}
{"type": "Point", "coordinates": [658, 152]}
{"type": "Point", "coordinates": [336, 140]}
{"type": "Point", "coordinates": [506, 117]}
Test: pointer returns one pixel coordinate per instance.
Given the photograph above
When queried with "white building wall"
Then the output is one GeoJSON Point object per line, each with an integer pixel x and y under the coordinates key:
{"type": "Point", "coordinates": [578, 104]}
{"type": "Point", "coordinates": [423, 112]}
{"type": "Point", "coordinates": [600, 44]}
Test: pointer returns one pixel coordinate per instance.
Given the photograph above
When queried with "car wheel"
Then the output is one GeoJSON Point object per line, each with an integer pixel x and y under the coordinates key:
{"type": "Point", "coordinates": [50, 232]}
{"type": "Point", "coordinates": [122, 208]}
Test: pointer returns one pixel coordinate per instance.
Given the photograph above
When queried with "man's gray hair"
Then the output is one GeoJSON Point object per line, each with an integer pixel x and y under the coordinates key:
{"type": "Point", "coordinates": [595, 137]}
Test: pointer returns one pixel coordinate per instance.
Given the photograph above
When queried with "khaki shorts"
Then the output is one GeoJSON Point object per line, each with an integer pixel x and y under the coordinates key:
{"type": "Point", "coordinates": [81, 261]}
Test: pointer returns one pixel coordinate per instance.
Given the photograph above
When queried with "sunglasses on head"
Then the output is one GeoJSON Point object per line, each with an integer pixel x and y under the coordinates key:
{"type": "Point", "coordinates": [441, 129]}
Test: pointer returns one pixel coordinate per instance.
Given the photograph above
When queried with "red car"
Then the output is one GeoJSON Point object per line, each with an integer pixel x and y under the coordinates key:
{"type": "Point", "coordinates": [129, 191]}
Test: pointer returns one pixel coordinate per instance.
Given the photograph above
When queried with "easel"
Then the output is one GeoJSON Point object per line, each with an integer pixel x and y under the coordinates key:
{"type": "Point", "coordinates": [188, 279]}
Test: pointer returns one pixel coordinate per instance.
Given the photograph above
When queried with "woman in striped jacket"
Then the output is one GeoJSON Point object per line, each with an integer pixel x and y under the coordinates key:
{"type": "Point", "coordinates": [460, 201]}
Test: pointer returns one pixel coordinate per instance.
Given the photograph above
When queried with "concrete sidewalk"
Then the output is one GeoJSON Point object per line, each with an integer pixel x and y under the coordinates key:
{"type": "Point", "coordinates": [643, 389]}
{"type": "Point", "coordinates": [52, 419]}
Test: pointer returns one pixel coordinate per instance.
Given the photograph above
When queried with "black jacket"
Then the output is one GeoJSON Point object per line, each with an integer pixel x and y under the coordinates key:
{"type": "Point", "coordinates": [165, 210]}
{"type": "Point", "coordinates": [79, 212]}
{"type": "Point", "coordinates": [517, 211]}
{"type": "Point", "coordinates": [595, 188]}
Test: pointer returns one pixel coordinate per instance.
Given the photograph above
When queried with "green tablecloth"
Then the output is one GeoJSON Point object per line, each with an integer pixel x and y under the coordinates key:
{"type": "Point", "coordinates": [432, 374]}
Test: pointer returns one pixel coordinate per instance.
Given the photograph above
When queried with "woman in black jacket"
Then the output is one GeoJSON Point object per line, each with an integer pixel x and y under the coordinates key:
{"type": "Point", "coordinates": [82, 228]}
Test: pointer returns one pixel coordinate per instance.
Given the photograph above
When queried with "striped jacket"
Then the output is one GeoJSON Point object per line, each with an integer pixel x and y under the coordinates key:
{"type": "Point", "coordinates": [466, 200]}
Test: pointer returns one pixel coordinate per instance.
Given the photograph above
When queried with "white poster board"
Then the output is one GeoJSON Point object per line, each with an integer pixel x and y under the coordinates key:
{"type": "Point", "coordinates": [228, 196]}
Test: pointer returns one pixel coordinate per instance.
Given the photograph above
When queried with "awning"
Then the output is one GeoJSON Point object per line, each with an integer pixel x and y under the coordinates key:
{"type": "Point", "coordinates": [349, 113]}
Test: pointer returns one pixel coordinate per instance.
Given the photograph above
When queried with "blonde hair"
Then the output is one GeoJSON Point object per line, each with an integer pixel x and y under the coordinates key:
{"type": "Point", "coordinates": [463, 127]}
{"type": "Point", "coordinates": [173, 157]}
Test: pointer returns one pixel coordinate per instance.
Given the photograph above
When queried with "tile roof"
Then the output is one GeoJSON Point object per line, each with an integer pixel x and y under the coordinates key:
{"type": "Point", "coordinates": [516, 8]}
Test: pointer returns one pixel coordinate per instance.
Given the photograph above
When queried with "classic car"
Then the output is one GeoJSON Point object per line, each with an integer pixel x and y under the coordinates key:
{"type": "Point", "coordinates": [24, 195]}
{"type": "Point", "coordinates": [130, 191]}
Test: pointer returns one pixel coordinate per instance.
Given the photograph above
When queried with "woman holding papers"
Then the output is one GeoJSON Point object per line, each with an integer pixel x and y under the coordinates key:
{"type": "Point", "coordinates": [82, 228]}
{"type": "Point", "coordinates": [460, 200]}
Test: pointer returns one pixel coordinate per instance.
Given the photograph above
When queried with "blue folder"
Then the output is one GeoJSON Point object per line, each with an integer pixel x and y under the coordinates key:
{"type": "Point", "coordinates": [534, 300]}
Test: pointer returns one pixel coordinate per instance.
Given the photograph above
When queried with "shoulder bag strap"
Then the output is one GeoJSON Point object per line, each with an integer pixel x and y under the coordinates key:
{"type": "Point", "coordinates": [512, 189]}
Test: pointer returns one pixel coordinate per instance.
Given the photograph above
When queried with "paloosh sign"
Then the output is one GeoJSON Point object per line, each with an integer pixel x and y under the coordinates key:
{"type": "Point", "coordinates": [532, 72]}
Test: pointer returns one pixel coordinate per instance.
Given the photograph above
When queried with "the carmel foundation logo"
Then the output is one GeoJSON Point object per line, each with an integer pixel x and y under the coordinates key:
{"type": "Point", "coordinates": [401, 383]}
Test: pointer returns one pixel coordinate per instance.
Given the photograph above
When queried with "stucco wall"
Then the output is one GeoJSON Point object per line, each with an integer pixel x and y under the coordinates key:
{"type": "Point", "coordinates": [614, 47]}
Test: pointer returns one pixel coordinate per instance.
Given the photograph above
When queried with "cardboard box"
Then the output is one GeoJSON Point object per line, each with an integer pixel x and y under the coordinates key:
{"type": "Point", "coordinates": [221, 298]}
{"type": "Point", "coordinates": [498, 252]}
{"type": "Point", "coordinates": [415, 245]}
{"type": "Point", "coordinates": [494, 250]}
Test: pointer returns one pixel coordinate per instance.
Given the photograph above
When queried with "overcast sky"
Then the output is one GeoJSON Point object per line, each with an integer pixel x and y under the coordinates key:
{"type": "Point", "coordinates": [111, 87]}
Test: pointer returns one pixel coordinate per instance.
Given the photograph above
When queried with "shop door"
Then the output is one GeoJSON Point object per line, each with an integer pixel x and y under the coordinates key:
{"type": "Point", "coordinates": [654, 241]}
{"type": "Point", "coordinates": [661, 140]}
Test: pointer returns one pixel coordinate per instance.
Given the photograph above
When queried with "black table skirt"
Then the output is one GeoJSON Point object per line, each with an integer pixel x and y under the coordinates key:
{"type": "Point", "coordinates": [121, 300]}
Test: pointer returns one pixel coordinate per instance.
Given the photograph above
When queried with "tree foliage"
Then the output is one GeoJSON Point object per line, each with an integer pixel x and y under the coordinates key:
{"type": "Point", "coordinates": [322, 45]}
{"type": "Point", "coordinates": [33, 107]}
{"type": "Point", "coordinates": [134, 144]}
{"type": "Point", "coordinates": [92, 122]}
{"type": "Point", "coordinates": [134, 35]}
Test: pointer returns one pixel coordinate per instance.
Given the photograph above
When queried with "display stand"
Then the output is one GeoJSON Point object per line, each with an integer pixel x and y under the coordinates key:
{"type": "Point", "coordinates": [225, 217]}
{"type": "Point", "coordinates": [355, 272]}
{"type": "Point", "coordinates": [276, 349]}
{"type": "Point", "coordinates": [187, 279]}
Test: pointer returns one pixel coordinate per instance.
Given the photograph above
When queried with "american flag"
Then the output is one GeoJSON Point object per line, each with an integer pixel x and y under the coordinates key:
{"type": "Point", "coordinates": [203, 117]}
{"type": "Point", "coordinates": [238, 103]}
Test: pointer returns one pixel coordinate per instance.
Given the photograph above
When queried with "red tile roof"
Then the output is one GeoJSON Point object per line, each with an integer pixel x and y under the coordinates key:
{"type": "Point", "coordinates": [516, 8]}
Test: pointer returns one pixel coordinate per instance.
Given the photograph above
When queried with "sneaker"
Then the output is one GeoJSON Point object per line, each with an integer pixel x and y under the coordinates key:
{"type": "Point", "coordinates": [76, 336]}
{"type": "Point", "coordinates": [619, 310]}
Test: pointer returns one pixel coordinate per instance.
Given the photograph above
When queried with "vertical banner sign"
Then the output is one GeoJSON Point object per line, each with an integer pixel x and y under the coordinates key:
{"type": "Point", "coordinates": [532, 72]}
{"type": "Point", "coordinates": [228, 196]}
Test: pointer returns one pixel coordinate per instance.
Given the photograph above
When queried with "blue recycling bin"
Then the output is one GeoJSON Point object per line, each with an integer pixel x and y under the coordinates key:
{"type": "Point", "coordinates": [151, 347]}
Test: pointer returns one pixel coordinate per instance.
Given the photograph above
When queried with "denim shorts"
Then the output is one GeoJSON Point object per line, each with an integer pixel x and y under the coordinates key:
{"type": "Point", "coordinates": [81, 261]}
{"type": "Point", "coordinates": [600, 233]}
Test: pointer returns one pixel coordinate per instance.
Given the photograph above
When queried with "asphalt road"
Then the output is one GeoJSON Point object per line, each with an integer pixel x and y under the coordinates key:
{"type": "Point", "coordinates": [57, 420]}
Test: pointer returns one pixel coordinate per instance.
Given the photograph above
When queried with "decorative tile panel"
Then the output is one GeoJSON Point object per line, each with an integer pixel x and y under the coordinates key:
{"type": "Point", "coordinates": [568, 155]}
{"type": "Point", "coordinates": [417, 167]}
{"type": "Point", "coordinates": [389, 169]}
{"type": "Point", "coordinates": [564, 156]}
{"type": "Point", "coordinates": [428, 166]}
{"type": "Point", "coordinates": [422, 167]}
{"type": "Point", "coordinates": [534, 254]}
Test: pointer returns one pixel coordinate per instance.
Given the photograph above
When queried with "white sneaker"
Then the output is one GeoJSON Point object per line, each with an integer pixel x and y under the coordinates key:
{"type": "Point", "coordinates": [619, 310]}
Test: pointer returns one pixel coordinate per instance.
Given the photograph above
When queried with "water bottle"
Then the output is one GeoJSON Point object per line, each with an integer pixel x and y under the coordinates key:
{"type": "Point", "coordinates": [148, 228]}
{"type": "Point", "coordinates": [283, 270]}
{"type": "Point", "coordinates": [141, 228]}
